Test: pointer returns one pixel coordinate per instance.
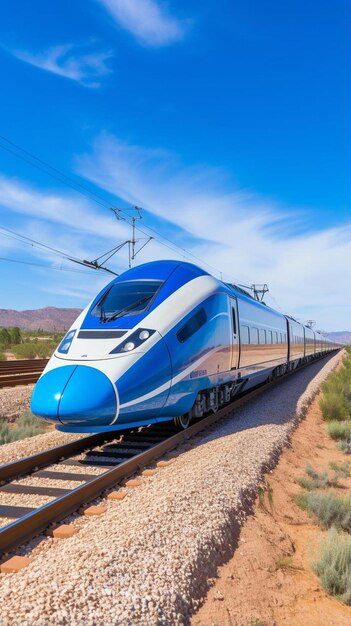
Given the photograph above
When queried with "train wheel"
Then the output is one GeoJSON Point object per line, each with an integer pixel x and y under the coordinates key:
{"type": "Point", "coordinates": [182, 421]}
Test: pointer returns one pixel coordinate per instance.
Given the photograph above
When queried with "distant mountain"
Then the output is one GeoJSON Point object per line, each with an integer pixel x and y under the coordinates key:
{"type": "Point", "coordinates": [343, 336]}
{"type": "Point", "coordinates": [52, 318]}
{"type": "Point", "coordinates": [48, 318]}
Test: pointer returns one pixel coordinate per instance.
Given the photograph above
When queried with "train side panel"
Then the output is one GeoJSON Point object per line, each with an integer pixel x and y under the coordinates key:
{"type": "Point", "coordinates": [309, 342]}
{"type": "Point", "coordinates": [296, 342]}
{"type": "Point", "coordinates": [263, 339]}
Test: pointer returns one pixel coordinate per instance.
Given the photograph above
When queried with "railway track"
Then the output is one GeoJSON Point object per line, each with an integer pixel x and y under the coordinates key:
{"type": "Point", "coordinates": [98, 462]}
{"type": "Point", "coordinates": [117, 458]}
{"type": "Point", "coordinates": [22, 372]}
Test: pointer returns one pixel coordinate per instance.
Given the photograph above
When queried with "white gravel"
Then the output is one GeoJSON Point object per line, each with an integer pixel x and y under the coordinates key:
{"type": "Point", "coordinates": [13, 402]}
{"type": "Point", "coordinates": [147, 561]}
{"type": "Point", "coordinates": [13, 451]}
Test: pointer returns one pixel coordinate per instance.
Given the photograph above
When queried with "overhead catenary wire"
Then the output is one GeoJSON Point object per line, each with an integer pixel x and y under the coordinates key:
{"type": "Point", "coordinates": [41, 164]}
{"type": "Point", "coordinates": [54, 172]}
{"type": "Point", "coordinates": [43, 265]}
{"type": "Point", "coordinates": [67, 180]}
{"type": "Point", "coordinates": [64, 255]}
{"type": "Point", "coordinates": [35, 243]}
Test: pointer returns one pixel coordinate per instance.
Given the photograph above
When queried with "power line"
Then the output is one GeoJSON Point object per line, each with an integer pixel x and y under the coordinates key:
{"type": "Point", "coordinates": [50, 267]}
{"type": "Point", "coordinates": [37, 244]}
{"type": "Point", "coordinates": [57, 174]}
{"type": "Point", "coordinates": [60, 176]}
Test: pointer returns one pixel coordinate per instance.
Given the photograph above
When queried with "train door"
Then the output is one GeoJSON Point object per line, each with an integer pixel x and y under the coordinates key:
{"type": "Point", "coordinates": [234, 319]}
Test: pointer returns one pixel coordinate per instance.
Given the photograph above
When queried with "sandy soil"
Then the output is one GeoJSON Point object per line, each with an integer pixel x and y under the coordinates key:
{"type": "Point", "coordinates": [269, 581]}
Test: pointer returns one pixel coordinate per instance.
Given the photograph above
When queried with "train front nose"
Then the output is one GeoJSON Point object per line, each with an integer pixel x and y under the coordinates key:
{"type": "Point", "coordinates": [75, 394]}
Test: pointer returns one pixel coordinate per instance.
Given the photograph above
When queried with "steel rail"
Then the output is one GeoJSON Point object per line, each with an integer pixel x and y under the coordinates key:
{"type": "Point", "coordinates": [15, 381]}
{"type": "Point", "coordinates": [31, 524]}
{"type": "Point", "coordinates": [22, 363]}
{"type": "Point", "coordinates": [35, 522]}
{"type": "Point", "coordinates": [23, 372]}
{"type": "Point", "coordinates": [15, 469]}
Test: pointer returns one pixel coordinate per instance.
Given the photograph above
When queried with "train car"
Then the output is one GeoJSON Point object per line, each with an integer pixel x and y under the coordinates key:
{"type": "Point", "coordinates": [309, 343]}
{"type": "Point", "coordinates": [296, 342]}
{"type": "Point", "coordinates": [166, 340]}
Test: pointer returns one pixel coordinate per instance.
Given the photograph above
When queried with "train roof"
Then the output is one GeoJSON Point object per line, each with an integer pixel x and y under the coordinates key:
{"type": "Point", "coordinates": [160, 270]}
{"type": "Point", "coordinates": [163, 269]}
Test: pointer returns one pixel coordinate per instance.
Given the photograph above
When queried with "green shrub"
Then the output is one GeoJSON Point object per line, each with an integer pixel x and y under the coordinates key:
{"type": "Point", "coordinates": [46, 349]}
{"type": "Point", "coordinates": [25, 351]}
{"type": "Point", "coordinates": [328, 508]}
{"type": "Point", "coordinates": [334, 566]}
{"type": "Point", "coordinates": [5, 337]}
{"type": "Point", "coordinates": [344, 446]}
{"type": "Point", "coordinates": [16, 336]}
{"type": "Point", "coordinates": [318, 480]}
{"type": "Point", "coordinates": [5, 434]}
{"type": "Point", "coordinates": [306, 483]}
{"type": "Point", "coordinates": [27, 425]}
{"type": "Point", "coordinates": [339, 430]}
{"type": "Point", "coordinates": [301, 500]}
{"type": "Point", "coordinates": [335, 403]}
{"type": "Point", "coordinates": [32, 349]}
{"type": "Point", "coordinates": [340, 469]}
{"type": "Point", "coordinates": [2, 356]}
{"type": "Point", "coordinates": [334, 406]}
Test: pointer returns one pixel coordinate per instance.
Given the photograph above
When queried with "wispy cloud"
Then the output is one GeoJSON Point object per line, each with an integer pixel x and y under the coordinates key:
{"type": "Point", "coordinates": [248, 237]}
{"type": "Point", "coordinates": [65, 209]}
{"type": "Point", "coordinates": [64, 222]}
{"type": "Point", "coordinates": [147, 20]}
{"type": "Point", "coordinates": [70, 61]}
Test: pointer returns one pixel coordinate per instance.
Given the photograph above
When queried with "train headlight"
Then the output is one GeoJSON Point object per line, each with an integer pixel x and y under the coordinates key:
{"type": "Point", "coordinates": [129, 346]}
{"type": "Point", "coordinates": [135, 340]}
{"type": "Point", "coordinates": [66, 342]}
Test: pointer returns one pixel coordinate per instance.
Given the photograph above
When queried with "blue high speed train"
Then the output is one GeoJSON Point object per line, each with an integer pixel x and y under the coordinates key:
{"type": "Point", "coordinates": [166, 340]}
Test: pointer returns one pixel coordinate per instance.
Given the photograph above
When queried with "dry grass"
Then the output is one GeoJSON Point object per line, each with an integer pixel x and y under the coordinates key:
{"type": "Point", "coordinates": [27, 425]}
{"type": "Point", "coordinates": [334, 566]}
{"type": "Point", "coordinates": [329, 509]}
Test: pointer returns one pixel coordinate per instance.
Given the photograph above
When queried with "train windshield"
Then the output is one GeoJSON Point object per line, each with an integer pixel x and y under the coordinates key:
{"type": "Point", "coordinates": [126, 297]}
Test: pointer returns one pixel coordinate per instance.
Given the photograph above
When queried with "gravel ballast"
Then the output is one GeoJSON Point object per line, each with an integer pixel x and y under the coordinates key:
{"type": "Point", "coordinates": [14, 401]}
{"type": "Point", "coordinates": [13, 451]}
{"type": "Point", "coordinates": [148, 559]}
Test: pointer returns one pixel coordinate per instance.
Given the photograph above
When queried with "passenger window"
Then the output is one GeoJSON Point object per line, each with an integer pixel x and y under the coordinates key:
{"type": "Point", "coordinates": [269, 336]}
{"type": "Point", "coordinates": [275, 337]}
{"type": "Point", "coordinates": [262, 336]}
{"type": "Point", "coordinates": [244, 334]}
{"type": "Point", "coordinates": [234, 320]}
{"type": "Point", "coordinates": [254, 335]}
{"type": "Point", "coordinates": [192, 325]}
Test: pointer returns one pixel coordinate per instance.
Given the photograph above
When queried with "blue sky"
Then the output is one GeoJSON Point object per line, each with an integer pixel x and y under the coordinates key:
{"type": "Point", "coordinates": [227, 121]}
